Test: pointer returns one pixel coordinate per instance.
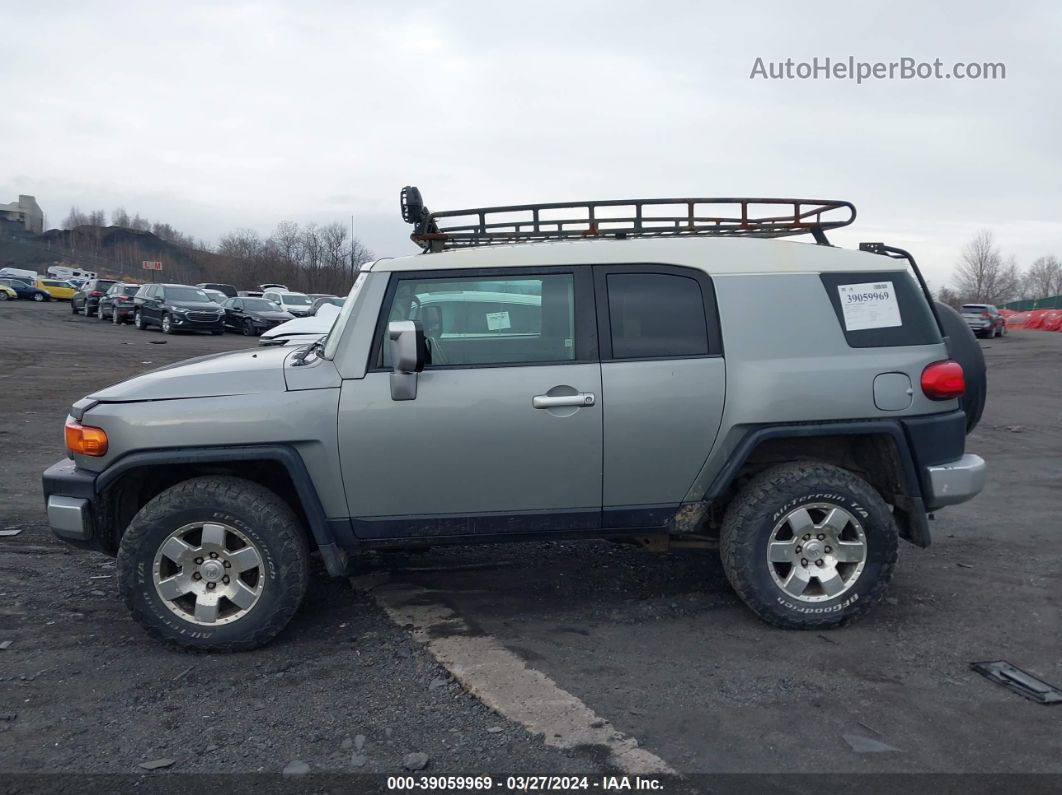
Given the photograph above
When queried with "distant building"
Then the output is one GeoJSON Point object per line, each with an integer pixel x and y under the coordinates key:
{"type": "Point", "coordinates": [25, 211]}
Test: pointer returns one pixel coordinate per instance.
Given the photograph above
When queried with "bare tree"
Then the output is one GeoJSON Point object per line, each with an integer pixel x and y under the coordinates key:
{"type": "Point", "coordinates": [120, 217]}
{"type": "Point", "coordinates": [946, 295]}
{"type": "Point", "coordinates": [74, 219]}
{"type": "Point", "coordinates": [982, 275]}
{"type": "Point", "coordinates": [1044, 278]}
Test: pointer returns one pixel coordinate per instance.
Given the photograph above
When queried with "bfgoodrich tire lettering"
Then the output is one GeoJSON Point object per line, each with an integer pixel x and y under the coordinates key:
{"type": "Point", "coordinates": [260, 516]}
{"type": "Point", "coordinates": [751, 522]}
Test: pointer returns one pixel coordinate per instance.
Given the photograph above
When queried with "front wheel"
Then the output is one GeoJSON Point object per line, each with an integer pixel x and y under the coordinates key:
{"type": "Point", "coordinates": [167, 324]}
{"type": "Point", "coordinates": [138, 320]}
{"type": "Point", "coordinates": [214, 563]}
{"type": "Point", "coordinates": [808, 545]}
{"type": "Point", "coordinates": [248, 328]}
{"type": "Point", "coordinates": [73, 308]}
{"type": "Point", "coordinates": [39, 297]}
{"type": "Point", "coordinates": [99, 313]}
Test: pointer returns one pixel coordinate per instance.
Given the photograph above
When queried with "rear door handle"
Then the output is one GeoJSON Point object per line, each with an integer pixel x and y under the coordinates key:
{"type": "Point", "coordinates": [549, 402]}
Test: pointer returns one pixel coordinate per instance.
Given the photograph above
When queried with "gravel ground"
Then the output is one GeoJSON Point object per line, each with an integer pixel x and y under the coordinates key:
{"type": "Point", "coordinates": [658, 645]}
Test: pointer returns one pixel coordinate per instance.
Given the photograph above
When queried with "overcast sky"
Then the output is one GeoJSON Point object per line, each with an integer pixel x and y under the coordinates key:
{"type": "Point", "coordinates": [213, 115]}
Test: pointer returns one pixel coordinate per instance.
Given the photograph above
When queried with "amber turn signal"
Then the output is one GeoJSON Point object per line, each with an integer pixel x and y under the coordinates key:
{"type": "Point", "coordinates": [85, 440]}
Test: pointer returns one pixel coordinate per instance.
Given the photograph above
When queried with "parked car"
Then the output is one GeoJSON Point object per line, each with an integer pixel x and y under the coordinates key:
{"type": "Point", "coordinates": [176, 307]}
{"type": "Point", "coordinates": [321, 300]}
{"type": "Point", "coordinates": [58, 289]}
{"type": "Point", "coordinates": [24, 289]}
{"type": "Point", "coordinates": [252, 316]}
{"type": "Point", "coordinates": [641, 391]}
{"type": "Point", "coordinates": [271, 286]}
{"type": "Point", "coordinates": [297, 303]}
{"type": "Point", "coordinates": [984, 320]}
{"type": "Point", "coordinates": [117, 303]}
{"type": "Point", "coordinates": [216, 296]}
{"type": "Point", "coordinates": [7, 294]}
{"type": "Point", "coordinates": [88, 297]}
{"type": "Point", "coordinates": [225, 289]}
{"type": "Point", "coordinates": [302, 330]}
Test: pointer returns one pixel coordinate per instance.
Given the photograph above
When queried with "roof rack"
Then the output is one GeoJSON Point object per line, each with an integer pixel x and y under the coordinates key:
{"type": "Point", "coordinates": [622, 218]}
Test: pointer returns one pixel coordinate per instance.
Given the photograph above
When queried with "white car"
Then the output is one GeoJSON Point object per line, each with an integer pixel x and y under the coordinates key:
{"type": "Point", "coordinates": [299, 304]}
{"type": "Point", "coordinates": [302, 330]}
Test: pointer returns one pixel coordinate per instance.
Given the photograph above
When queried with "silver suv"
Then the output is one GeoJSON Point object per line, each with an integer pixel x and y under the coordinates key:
{"type": "Point", "coordinates": [655, 370]}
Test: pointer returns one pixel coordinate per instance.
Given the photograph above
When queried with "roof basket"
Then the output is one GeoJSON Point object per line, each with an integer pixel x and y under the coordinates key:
{"type": "Point", "coordinates": [622, 218]}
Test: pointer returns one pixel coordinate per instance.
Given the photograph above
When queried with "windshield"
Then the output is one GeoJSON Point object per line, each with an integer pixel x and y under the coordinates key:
{"type": "Point", "coordinates": [186, 294]}
{"type": "Point", "coordinates": [977, 308]}
{"type": "Point", "coordinates": [259, 305]}
{"type": "Point", "coordinates": [296, 299]}
{"type": "Point", "coordinates": [331, 342]}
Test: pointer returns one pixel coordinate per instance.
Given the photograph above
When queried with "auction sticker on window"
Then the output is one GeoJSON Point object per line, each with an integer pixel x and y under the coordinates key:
{"type": "Point", "coordinates": [498, 321]}
{"type": "Point", "coordinates": [869, 305]}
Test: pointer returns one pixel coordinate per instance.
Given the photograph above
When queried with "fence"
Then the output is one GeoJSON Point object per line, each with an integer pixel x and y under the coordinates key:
{"type": "Point", "coordinates": [1054, 302]}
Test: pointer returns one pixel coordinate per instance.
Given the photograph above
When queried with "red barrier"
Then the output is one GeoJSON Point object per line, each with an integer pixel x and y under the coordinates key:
{"type": "Point", "coordinates": [1052, 321]}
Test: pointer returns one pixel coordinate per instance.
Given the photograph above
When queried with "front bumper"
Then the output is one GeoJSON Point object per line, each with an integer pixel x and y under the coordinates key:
{"type": "Point", "coordinates": [185, 322]}
{"type": "Point", "coordinates": [70, 496]}
{"type": "Point", "coordinates": [956, 481]}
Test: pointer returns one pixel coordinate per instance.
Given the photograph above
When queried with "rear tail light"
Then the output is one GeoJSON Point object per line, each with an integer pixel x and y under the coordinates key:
{"type": "Point", "coordinates": [943, 381]}
{"type": "Point", "coordinates": [85, 439]}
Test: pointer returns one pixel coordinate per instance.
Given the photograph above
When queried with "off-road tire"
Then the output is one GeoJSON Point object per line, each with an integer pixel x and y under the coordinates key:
{"type": "Point", "coordinates": [750, 519]}
{"type": "Point", "coordinates": [255, 511]}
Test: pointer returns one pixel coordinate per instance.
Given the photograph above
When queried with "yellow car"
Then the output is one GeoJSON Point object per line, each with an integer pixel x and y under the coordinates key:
{"type": "Point", "coordinates": [57, 288]}
{"type": "Point", "coordinates": [7, 294]}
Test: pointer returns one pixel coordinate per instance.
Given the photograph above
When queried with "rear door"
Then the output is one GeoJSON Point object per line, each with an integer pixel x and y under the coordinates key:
{"type": "Point", "coordinates": [504, 434]}
{"type": "Point", "coordinates": [663, 379]}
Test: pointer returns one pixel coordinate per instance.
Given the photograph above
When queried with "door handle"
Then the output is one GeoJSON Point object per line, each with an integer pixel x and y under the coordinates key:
{"type": "Point", "coordinates": [550, 402]}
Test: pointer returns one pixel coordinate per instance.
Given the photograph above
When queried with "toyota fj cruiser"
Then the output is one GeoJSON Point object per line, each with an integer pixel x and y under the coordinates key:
{"type": "Point", "coordinates": [650, 370]}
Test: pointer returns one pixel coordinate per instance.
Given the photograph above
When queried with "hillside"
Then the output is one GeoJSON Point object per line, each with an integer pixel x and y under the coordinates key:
{"type": "Point", "coordinates": [112, 251]}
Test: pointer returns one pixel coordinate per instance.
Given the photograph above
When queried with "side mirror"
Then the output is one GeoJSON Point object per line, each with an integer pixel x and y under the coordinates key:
{"type": "Point", "coordinates": [409, 352]}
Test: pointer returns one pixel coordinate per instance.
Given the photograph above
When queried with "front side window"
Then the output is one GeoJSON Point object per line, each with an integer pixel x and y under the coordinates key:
{"type": "Point", "coordinates": [656, 315]}
{"type": "Point", "coordinates": [490, 321]}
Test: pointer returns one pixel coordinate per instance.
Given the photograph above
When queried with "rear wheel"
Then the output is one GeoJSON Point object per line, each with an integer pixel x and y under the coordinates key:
{"type": "Point", "coordinates": [114, 318]}
{"type": "Point", "coordinates": [39, 297]}
{"type": "Point", "coordinates": [808, 545]}
{"type": "Point", "coordinates": [99, 313]}
{"type": "Point", "coordinates": [3, 295]}
{"type": "Point", "coordinates": [214, 563]}
{"type": "Point", "coordinates": [248, 328]}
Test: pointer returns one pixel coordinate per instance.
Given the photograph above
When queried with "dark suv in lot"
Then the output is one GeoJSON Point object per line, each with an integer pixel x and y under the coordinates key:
{"type": "Point", "coordinates": [176, 307]}
{"type": "Point", "coordinates": [88, 297]}
{"type": "Point", "coordinates": [252, 316]}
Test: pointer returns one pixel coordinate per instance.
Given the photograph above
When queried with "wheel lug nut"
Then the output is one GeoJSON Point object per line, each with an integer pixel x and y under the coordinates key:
{"type": "Point", "coordinates": [821, 536]}
{"type": "Point", "coordinates": [213, 554]}
{"type": "Point", "coordinates": [198, 561]}
{"type": "Point", "coordinates": [798, 549]}
{"type": "Point", "coordinates": [225, 579]}
{"type": "Point", "coordinates": [228, 565]}
{"type": "Point", "coordinates": [829, 550]}
{"type": "Point", "coordinates": [197, 576]}
{"type": "Point", "coordinates": [803, 561]}
{"type": "Point", "coordinates": [211, 586]}
{"type": "Point", "coordinates": [807, 536]}
{"type": "Point", "coordinates": [819, 563]}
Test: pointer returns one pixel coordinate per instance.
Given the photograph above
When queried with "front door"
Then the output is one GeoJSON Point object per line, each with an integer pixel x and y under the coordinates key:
{"type": "Point", "coordinates": [505, 433]}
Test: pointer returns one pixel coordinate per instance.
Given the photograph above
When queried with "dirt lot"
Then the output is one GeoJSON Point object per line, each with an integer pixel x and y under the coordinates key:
{"type": "Point", "coordinates": [658, 646]}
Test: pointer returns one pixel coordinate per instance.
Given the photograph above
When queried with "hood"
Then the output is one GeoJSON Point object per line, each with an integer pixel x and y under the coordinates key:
{"type": "Point", "coordinates": [321, 323]}
{"type": "Point", "coordinates": [195, 306]}
{"type": "Point", "coordinates": [269, 314]}
{"type": "Point", "coordinates": [236, 373]}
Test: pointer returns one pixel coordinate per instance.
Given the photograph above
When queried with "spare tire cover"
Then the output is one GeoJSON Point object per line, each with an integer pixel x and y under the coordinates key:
{"type": "Point", "coordinates": [964, 349]}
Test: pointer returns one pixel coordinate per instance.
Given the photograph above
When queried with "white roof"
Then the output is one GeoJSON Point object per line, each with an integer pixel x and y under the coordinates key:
{"type": "Point", "coordinates": [716, 255]}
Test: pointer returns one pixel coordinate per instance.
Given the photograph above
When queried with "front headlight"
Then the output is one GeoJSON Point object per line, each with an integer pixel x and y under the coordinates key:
{"type": "Point", "coordinates": [180, 309]}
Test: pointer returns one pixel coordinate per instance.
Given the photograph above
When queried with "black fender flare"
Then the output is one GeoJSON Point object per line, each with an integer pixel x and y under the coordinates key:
{"type": "Point", "coordinates": [334, 556]}
{"type": "Point", "coordinates": [917, 530]}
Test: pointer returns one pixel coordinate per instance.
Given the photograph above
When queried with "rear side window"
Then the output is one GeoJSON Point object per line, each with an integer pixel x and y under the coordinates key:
{"type": "Point", "coordinates": [656, 315]}
{"type": "Point", "coordinates": [881, 309]}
